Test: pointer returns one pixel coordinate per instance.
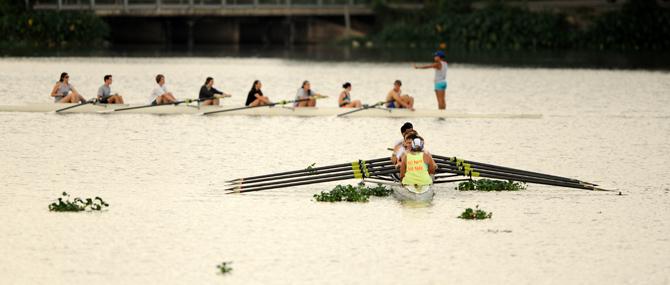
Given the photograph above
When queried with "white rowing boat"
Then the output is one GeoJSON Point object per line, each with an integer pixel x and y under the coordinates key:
{"type": "Point", "coordinates": [261, 111]}
{"type": "Point", "coordinates": [413, 193]}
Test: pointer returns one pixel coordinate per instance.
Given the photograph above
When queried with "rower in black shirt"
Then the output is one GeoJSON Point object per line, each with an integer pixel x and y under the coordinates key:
{"type": "Point", "coordinates": [256, 97]}
{"type": "Point", "coordinates": [208, 91]}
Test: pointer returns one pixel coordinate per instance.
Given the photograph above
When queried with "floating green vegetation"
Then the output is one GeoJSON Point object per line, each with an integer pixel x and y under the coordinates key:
{"type": "Point", "coordinates": [476, 214]}
{"type": "Point", "coordinates": [311, 168]}
{"type": "Point", "coordinates": [224, 267]}
{"type": "Point", "coordinates": [349, 193]}
{"type": "Point", "coordinates": [77, 205]}
{"type": "Point", "coordinates": [490, 185]}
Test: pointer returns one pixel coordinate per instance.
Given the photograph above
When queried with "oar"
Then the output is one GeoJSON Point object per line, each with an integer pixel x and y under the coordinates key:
{"type": "Point", "coordinates": [353, 174]}
{"type": "Point", "coordinates": [305, 182]}
{"type": "Point", "coordinates": [466, 167]}
{"type": "Point", "coordinates": [308, 169]}
{"type": "Point", "coordinates": [506, 176]}
{"type": "Point", "coordinates": [507, 169]}
{"type": "Point", "coordinates": [359, 168]}
{"type": "Point", "coordinates": [283, 102]}
{"type": "Point", "coordinates": [365, 107]}
{"type": "Point", "coordinates": [312, 172]}
{"type": "Point", "coordinates": [187, 101]}
{"type": "Point", "coordinates": [92, 101]}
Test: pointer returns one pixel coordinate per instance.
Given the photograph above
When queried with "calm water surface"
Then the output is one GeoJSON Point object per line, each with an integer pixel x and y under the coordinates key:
{"type": "Point", "coordinates": [170, 223]}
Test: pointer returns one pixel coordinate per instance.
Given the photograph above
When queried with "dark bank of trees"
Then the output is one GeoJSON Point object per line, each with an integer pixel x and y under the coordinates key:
{"type": "Point", "coordinates": [639, 25]}
{"type": "Point", "coordinates": [21, 27]}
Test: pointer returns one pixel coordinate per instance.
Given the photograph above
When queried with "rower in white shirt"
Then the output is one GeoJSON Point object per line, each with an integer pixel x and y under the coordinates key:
{"type": "Point", "coordinates": [398, 147]}
{"type": "Point", "coordinates": [160, 94]}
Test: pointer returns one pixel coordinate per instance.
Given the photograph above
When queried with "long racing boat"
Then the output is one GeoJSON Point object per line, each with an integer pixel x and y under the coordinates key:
{"type": "Point", "coordinates": [278, 110]}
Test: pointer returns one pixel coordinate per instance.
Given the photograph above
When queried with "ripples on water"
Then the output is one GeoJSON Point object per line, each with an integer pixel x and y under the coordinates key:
{"type": "Point", "coordinates": [169, 221]}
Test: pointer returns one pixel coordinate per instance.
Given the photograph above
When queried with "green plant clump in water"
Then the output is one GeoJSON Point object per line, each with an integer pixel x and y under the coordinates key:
{"type": "Point", "coordinates": [352, 193]}
{"type": "Point", "coordinates": [490, 185]}
{"type": "Point", "coordinates": [311, 168]}
{"type": "Point", "coordinates": [78, 204]}
{"type": "Point", "coordinates": [224, 267]}
{"type": "Point", "coordinates": [476, 214]}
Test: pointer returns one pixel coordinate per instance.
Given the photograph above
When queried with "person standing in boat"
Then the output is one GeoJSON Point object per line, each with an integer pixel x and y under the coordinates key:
{"type": "Point", "coordinates": [417, 166]}
{"type": "Point", "coordinates": [64, 92]}
{"type": "Point", "coordinates": [440, 66]}
{"type": "Point", "coordinates": [306, 92]}
{"type": "Point", "coordinates": [344, 101]}
{"type": "Point", "coordinates": [395, 99]}
{"type": "Point", "coordinates": [160, 94]}
{"type": "Point", "coordinates": [255, 96]}
{"type": "Point", "coordinates": [105, 95]}
{"type": "Point", "coordinates": [207, 93]}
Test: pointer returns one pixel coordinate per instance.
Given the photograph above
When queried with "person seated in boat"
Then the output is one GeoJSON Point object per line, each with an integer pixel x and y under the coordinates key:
{"type": "Point", "coordinates": [64, 92]}
{"type": "Point", "coordinates": [105, 95]}
{"type": "Point", "coordinates": [345, 98]}
{"type": "Point", "coordinates": [207, 93]}
{"type": "Point", "coordinates": [256, 97]}
{"type": "Point", "coordinates": [399, 146]}
{"type": "Point", "coordinates": [160, 94]}
{"type": "Point", "coordinates": [417, 166]}
{"type": "Point", "coordinates": [306, 93]}
{"type": "Point", "coordinates": [395, 99]}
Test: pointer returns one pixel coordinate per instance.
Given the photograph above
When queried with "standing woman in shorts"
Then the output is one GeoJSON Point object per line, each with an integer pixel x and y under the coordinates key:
{"type": "Point", "coordinates": [440, 66]}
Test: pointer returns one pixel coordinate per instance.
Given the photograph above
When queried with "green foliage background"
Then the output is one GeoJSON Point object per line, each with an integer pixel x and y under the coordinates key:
{"type": "Point", "coordinates": [639, 25]}
{"type": "Point", "coordinates": [21, 27]}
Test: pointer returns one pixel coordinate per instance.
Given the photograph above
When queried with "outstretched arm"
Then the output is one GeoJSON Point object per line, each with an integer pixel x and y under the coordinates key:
{"type": "Point", "coordinates": [433, 65]}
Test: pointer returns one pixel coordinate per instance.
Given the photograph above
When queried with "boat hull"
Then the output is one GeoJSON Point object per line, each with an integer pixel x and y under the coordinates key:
{"type": "Point", "coordinates": [413, 193]}
{"type": "Point", "coordinates": [262, 111]}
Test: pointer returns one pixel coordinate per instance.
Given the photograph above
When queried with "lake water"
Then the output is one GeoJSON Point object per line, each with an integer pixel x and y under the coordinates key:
{"type": "Point", "coordinates": [171, 223]}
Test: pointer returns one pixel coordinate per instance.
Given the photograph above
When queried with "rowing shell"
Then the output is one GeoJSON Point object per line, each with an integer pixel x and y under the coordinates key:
{"type": "Point", "coordinates": [413, 193]}
{"type": "Point", "coordinates": [264, 111]}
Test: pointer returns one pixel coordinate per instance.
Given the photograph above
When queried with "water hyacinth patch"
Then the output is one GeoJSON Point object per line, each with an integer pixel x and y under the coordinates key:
{"type": "Point", "coordinates": [476, 214]}
{"type": "Point", "coordinates": [77, 204]}
{"type": "Point", "coordinates": [224, 267]}
{"type": "Point", "coordinates": [350, 193]}
{"type": "Point", "coordinates": [490, 185]}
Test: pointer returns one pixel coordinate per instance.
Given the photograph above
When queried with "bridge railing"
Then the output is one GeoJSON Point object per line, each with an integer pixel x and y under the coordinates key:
{"type": "Point", "coordinates": [91, 4]}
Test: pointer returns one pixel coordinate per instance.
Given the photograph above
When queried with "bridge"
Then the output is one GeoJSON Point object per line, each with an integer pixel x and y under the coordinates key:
{"type": "Point", "coordinates": [232, 8]}
{"type": "Point", "coordinates": [230, 21]}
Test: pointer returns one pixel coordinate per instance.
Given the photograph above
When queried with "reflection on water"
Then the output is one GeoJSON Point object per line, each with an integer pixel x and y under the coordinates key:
{"type": "Point", "coordinates": [554, 59]}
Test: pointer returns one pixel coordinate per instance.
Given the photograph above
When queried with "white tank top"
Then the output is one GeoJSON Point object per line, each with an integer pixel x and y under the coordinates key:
{"type": "Point", "coordinates": [441, 74]}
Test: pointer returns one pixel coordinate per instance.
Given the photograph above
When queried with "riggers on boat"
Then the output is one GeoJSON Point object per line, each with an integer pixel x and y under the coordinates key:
{"type": "Point", "coordinates": [277, 110]}
{"type": "Point", "coordinates": [382, 171]}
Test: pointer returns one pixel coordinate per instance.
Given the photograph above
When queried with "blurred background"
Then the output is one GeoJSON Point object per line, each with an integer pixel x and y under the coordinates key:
{"type": "Point", "coordinates": [562, 33]}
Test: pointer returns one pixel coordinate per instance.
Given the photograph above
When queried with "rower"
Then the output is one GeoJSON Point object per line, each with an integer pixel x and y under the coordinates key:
{"type": "Point", "coordinates": [207, 93]}
{"type": "Point", "coordinates": [160, 94]}
{"type": "Point", "coordinates": [440, 66]}
{"type": "Point", "coordinates": [306, 92]}
{"type": "Point", "coordinates": [105, 95]}
{"type": "Point", "coordinates": [64, 92]}
{"type": "Point", "coordinates": [345, 98]}
{"type": "Point", "coordinates": [255, 96]}
{"type": "Point", "coordinates": [395, 99]}
{"type": "Point", "coordinates": [398, 147]}
{"type": "Point", "coordinates": [416, 165]}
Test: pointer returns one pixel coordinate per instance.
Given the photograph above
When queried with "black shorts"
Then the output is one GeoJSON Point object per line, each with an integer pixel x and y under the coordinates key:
{"type": "Point", "coordinates": [104, 100]}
